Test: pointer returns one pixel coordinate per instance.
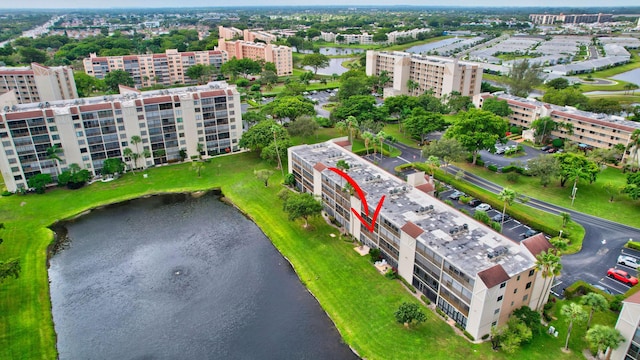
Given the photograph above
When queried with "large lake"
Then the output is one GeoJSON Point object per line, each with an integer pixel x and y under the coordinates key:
{"type": "Point", "coordinates": [335, 67]}
{"type": "Point", "coordinates": [175, 277]}
{"type": "Point", "coordinates": [632, 76]}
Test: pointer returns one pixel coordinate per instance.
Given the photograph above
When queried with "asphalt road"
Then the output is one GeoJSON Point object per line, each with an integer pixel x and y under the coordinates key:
{"type": "Point", "coordinates": [602, 244]}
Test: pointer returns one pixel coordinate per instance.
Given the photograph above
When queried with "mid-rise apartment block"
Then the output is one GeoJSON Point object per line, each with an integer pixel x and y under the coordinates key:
{"type": "Point", "coordinates": [549, 19]}
{"type": "Point", "coordinates": [393, 36]}
{"type": "Point", "coordinates": [150, 69]}
{"type": "Point", "coordinates": [280, 56]}
{"type": "Point", "coordinates": [472, 273]}
{"type": "Point", "coordinates": [594, 130]}
{"type": "Point", "coordinates": [172, 124]}
{"type": "Point", "coordinates": [413, 74]}
{"type": "Point", "coordinates": [246, 34]}
{"type": "Point", "coordinates": [339, 38]}
{"type": "Point", "coordinates": [38, 83]}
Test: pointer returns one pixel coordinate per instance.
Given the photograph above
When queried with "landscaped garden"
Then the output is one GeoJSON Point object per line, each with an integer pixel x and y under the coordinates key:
{"type": "Point", "coordinates": [359, 300]}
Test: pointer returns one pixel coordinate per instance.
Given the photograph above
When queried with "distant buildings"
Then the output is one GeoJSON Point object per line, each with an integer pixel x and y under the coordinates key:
{"type": "Point", "coordinates": [413, 74]}
{"type": "Point", "coordinates": [339, 38]}
{"type": "Point", "coordinates": [247, 35]}
{"type": "Point", "coordinates": [595, 130]}
{"type": "Point", "coordinates": [546, 19]}
{"type": "Point", "coordinates": [393, 36]}
{"type": "Point", "coordinates": [473, 274]}
{"type": "Point", "coordinates": [150, 69]}
{"type": "Point", "coordinates": [280, 56]}
{"type": "Point", "coordinates": [38, 83]}
{"type": "Point", "coordinates": [172, 124]}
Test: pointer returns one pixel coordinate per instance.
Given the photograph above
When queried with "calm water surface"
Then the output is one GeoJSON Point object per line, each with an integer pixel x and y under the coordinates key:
{"type": "Point", "coordinates": [632, 76]}
{"type": "Point", "coordinates": [174, 277]}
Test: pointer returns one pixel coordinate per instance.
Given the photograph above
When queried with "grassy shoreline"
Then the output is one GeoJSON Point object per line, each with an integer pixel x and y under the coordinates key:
{"type": "Point", "coordinates": [357, 298]}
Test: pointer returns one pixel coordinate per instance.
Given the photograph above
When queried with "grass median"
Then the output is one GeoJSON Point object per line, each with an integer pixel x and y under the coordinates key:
{"type": "Point", "coordinates": [359, 300]}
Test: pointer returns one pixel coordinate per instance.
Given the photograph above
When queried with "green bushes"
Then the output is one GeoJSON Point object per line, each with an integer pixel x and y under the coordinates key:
{"type": "Point", "coordinates": [492, 168]}
{"type": "Point", "coordinates": [469, 336]}
{"type": "Point", "coordinates": [441, 313]}
{"type": "Point", "coordinates": [375, 255]}
{"type": "Point", "coordinates": [426, 301]}
{"type": "Point", "coordinates": [409, 286]}
{"type": "Point", "coordinates": [635, 245]}
{"type": "Point", "coordinates": [578, 288]}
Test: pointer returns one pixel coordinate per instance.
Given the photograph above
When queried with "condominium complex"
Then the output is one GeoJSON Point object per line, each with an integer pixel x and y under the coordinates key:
{"type": "Point", "coordinates": [595, 130]}
{"type": "Point", "coordinates": [280, 56]}
{"type": "Point", "coordinates": [547, 19]}
{"type": "Point", "coordinates": [472, 273]}
{"type": "Point", "coordinates": [413, 74]}
{"type": "Point", "coordinates": [247, 35]}
{"type": "Point", "coordinates": [38, 83]}
{"type": "Point", "coordinates": [629, 326]}
{"type": "Point", "coordinates": [393, 36]}
{"type": "Point", "coordinates": [150, 69]}
{"type": "Point", "coordinates": [172, 124]}
{"type": "Point", "coordinates": [363, 39]}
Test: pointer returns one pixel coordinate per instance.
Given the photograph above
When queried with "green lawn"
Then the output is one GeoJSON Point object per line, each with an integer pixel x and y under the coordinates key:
{"type": "Point", "coordinates": [322, 135]}
{"type": "Point", "coordinates": [590, 198]}
{"type": "Point", "coordinates": [401, 137]}
{"type": "Point", "coordinates": [620, 98]}
{"type": "Point", "coordinates": [360, 301]}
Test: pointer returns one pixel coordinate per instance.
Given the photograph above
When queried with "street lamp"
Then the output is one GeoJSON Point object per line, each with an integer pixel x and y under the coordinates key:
{"type": "Point", "coordinates": [573, 194]}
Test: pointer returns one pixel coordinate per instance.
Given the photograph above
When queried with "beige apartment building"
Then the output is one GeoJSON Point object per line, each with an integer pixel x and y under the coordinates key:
{"type": "Point", "coordinates": [38, 83]}
{"type": "Point", "coordinates": [171, 123]}
{"type": "Point", "coordinates": [413, 74]}
{"type": "Point", "coordinates": [280, 56]}
{"type": "Point", "coordinates": [595, 130]}
{"type": "Point", "coordinates": [549, 19]}
{"type": "Point", "coordinates": [629, 326]}
{"type": "Point", "coordinates": [472, 273]}
{"type": "Point", "coordinates": [150, 69]}
{"type": "Point", "coordinates": [247, 35]}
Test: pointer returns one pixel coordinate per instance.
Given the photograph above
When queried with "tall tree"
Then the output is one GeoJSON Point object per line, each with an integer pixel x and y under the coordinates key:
{"type": "Point", "coordinates": [421, 123]}
{"type": "Point", "coordinates": [263, 175]}
{"type": "Point", "coordinates": [118, 77]}
{"type": "Point", "coordinates": [604, 338]}
{"type": "Point", "coordinates": [477, 130]}
{"type": "Point", "coordinates": [497, 106]}
{"type": "Point", "coordinates": [128, 154]}
{"type": "Point", "coordinates": [200, 73]}
{"type": "Point", "coordinates": [112, 166]}
{"type": "Point", "coordinates": [352, 125]}
{"type": "Point", "coordinates": [574, 166]}
{"type": "Point", "coordinates": [573, 314]}
{"type": "Point", "coordinates": [545, 167]}
{"type": "Point", "coordinates": [549, 266]}
{"type": "Point", "coordinates": [449, 150]}
{"type": "Point", "coordinates": [523, 77]}
{"type": "Point", "coordinates": [275, 130]}
{"type": "Point", "coordinates": [595, 302]}
{"type": "Point", "coordinates": [53, 154]}
{"type": "Point", "coordinates": [543, 127]}
{"type": "Point", "coordinates": [507, 196]}
{"type": "Point", "coordinates": [289, 107]}
{"type": "Point", "coordinates": [315, 60]}
{"type": "Point", "coordinates": [304, 126]}
{"type": "Point", "coordinates": [302, 206]}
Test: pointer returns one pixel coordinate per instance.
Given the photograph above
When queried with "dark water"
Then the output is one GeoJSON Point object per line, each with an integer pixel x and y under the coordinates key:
{"type": "Point", "coordinates": [181, 278]}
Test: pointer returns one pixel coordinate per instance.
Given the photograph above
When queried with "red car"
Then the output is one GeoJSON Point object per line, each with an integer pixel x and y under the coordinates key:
{"type": "Point", "coordinates": [622, 276]}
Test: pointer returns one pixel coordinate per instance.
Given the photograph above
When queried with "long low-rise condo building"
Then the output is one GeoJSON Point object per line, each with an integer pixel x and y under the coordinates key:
{"type": "Point", "coordinates": [38, 83]}
{"type": "Point", "coordinates": [413, 74]}
{"type": "Point", "coordinates": [594, 130]}
{"type": "Point", "coordinates": [151, 69]}
{"type": "Point", "coordinates": [172, 125]}
{"type": "Point", "coordinates": [472, 273]}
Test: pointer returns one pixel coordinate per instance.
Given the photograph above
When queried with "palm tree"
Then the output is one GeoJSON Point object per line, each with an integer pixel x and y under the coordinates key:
{"type": "Point", "coordinates": [507, 196]}
{"type": "Point", "coordinates": [549, 265]}
{"type": "Point", "coordinates": [52, 154]}
{"type": "Point", "coordinates": [381, 136]}
{"type": "Point", "coordinates": [275, 129]}
{"type": "Point", "coordinates": [634, 142]}
{"type": "Point", "coordinates": [573, 313]}
{"type": "Point", "coordinates": [199, 149]}
{"type": "Point", "coordinates": [433, 162]}
{"type": "Point", "coordinates": [135, 140]}
{"type": "Point", "coordinates": [576, 174]}
{"type": "Point", "coordinates": [566, 217]}
{"type": "Point", "coordinates": [412, 85]}
{"type": "Point", "coordinates": [367, 137]}
{"type": "Point", "coordinates": [341, 126]}
{"type": "Point", "coordinates": [352, 125]}
{"type": "Point", "coordinates": [128, 154]}
{"type": "Point", "coordinates": [605, 339]}
{"type": "Point", "coordinates": [597, 302]}
{"type": "Point", "coordinates": [197, 166]}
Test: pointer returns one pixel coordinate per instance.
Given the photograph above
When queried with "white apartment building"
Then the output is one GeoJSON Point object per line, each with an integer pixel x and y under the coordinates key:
{"type": "Point", "coordinates": [150, 69]}
{"type": "Point", "coordinates": [393, 36]}
{"type": "Point", "coordinates": [472, 273]}
{"type": "Point", "coordinates": [38, 83]}
{"type": "Point", "coordinates": [629, 326]}
{"type": "Point", "coordinates": [90, 130]}
{"type": "Point", "coordinates": [280, 56]}
{"type": "Point", "coordinates": [595, 130]}
{"type": "Point", "coordinates": [426, 73]}
{"type": "Point", "coordinates": [362, 39]}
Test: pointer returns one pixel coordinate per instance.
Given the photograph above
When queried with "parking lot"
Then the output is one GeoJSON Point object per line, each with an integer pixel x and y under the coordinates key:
{"type": "Point", "coordinates": [615, 286]}
{"type": "Point", "coordinates": [513, 229]}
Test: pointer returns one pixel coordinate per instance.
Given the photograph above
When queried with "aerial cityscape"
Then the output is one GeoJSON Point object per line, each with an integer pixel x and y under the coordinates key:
{"type": "Point", "coordinates": [354, 180]}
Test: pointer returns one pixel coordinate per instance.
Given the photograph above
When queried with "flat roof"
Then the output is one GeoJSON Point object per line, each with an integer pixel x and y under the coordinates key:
{"type": "Point", "coordinates": [473, 250]}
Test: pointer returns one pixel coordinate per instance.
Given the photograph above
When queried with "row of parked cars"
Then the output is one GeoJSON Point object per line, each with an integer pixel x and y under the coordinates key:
{"type": "Point", "coordinates": [621, 275]}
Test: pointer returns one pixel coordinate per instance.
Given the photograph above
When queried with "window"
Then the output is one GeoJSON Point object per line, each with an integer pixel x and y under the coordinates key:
{"type": "Point", "coordinates": [531, 272]}
{"type": "Point", "coordinates": [494, 323]}
{"type": "Point", "coordinates": [55, 137]}
{"type": "Point", "coordinates": [515, 291]}
{"type": "Point", "coordinates": [518, 279]}
{"type": "Point", "coordinates": [524, 298]}
{"type": "Point", "coordinates": [141, 125]}
{"type": "Point", "coordinates": [500, 298]}
{"type": "Point", "coordinates": [503, 285]}
{"type": "Point", "coordinates": [512, 303]}
{"type": "Point", "coordinates": [124, 143]}
{"type": "Point", "coordinates": [83, 150]}
{"type": "Point", "coordinates": [496, 311]}
{"type": "Point", "coordinates": [528, 285]}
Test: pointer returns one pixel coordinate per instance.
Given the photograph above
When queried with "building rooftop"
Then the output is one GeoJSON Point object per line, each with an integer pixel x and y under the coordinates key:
{"type": "Point", "coordinates": [436, 59]}
{"type": "Point", "coordinates": [463, 241]}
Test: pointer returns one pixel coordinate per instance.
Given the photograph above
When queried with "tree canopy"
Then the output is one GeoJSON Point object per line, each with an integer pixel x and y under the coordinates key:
{"type": "Point", "coordinates": [315, 60]}
{"type": "Point", "coordinates": [408, 313]}
{"type": "Point", "coordinates": [421, 123]}
{"type": "Point", "coordinates": [477, 130]}
{"type": "Point", "coordinates": [497, 106]}
{"type": "Point", "coordinates": [302, 206]}
{"type": "Point", "coordinates": [523, 77]}
{"type": "Point", "coordinates": [118, 77]}
{"type": "Point", "coordinates": [290, 107]}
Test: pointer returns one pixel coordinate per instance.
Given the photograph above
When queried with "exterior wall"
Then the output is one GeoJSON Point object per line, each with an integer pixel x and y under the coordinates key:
{"type": "Point", "coordinates": [518, 292]}
{"type": "Point", "coordinates": [229, 33]}
{"type": "Point", "coordinates": [437, 74]}
{"type": "Point", "coordinates": [147, 70]}
{"type": "Point", "coordinates": [101, 129]}
{"type": "Point", "coordinates": [485, 309]}
{"type": "Point", "coordinates": [627, 324]}
{"type": "Point", "coordinates": [280, 56]}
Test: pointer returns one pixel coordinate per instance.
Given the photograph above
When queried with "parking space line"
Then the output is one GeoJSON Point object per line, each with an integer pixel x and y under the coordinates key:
{"type": "Point", "coordinates": [615, 282]}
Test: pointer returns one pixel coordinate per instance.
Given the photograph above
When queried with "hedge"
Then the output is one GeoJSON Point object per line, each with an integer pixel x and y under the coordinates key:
{"type": "Point", "coordinates": [580, 288]}
{"type": "Point", "coordinates": [635, 245]}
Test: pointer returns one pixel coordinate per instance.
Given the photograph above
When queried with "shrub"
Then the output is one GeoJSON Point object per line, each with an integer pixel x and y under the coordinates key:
{"type": "Point", "coordinates": [469, 336]}
{"type": "Point", "coordinates": [516, 130]}
{"type": "Point", "coordinates": [441, 313]}
{"type": "Point", "coordinates": [289, 179]}
{"type": "Point", "coordinates": [492, 168]}
{"type": "Point", "coordinates": [426, 301]}
{"type": "Point", "coordinates": [513, 177]}
{"type": "Point", "coordinates": [409, 286]}
{"type": "Point", "coordinates": [448, 202]}
{"type": "Point", "coordinates": [509, 168]}
{"type": "Point", "coordinates": [464, 199]}
{"type": "Point", "coordinates": [459, 326]}
{"type": "Point", "coordinates": [557, 143]}
{"type": "Point", "coordinates": [485, 336]}
{"type": "Point", "coordinates": [496, 226]}
{"type": "Point", "coordinates": [391, 274]}
{"type": "Point", "coordinates": [324, 122]}
{"type": "Point", "coordinates": [7, 193]}
{"type": "Point", "coordinates": [482, 216]}
{"type": "Point", "coordinates": [616, 303]}
{"type": "Point", "coordinates": [465, 211]}
{"type": "Point", "coordinates": [633, 245]}
{"type": "Point", "coordinates": [374, 253]}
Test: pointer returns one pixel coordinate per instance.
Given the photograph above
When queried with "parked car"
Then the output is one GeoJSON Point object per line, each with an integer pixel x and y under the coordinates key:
{"type": "Point", "coordinates": [456, 195]}
{"type": "Point", "coordinates": [628, 261]}
{"type": "Point", "coordinates": [552, 150]}
{"type": "Point", "coordinates": [529, 233]}
{"type": "Point", "coordinates": [474, 202]}
{"type": "Point", "coordinates": [483, 207]}
{"type": "Point", "coordinates": [498, 218]}
{"type": "Point", "coordinates": [500, 150]}
{"type": "Point", "coordinates": [622, 276]}
{"type": "Point", "coordinates": [545, 148]}
{"type": "Point", "coordinates": [601, 288]}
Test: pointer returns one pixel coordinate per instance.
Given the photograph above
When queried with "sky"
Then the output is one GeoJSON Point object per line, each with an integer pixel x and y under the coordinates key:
{"type": "Point", "coordinates": [73, 4]}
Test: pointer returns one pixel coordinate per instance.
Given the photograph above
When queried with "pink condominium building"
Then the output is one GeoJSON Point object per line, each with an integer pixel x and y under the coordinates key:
{"type": "Point", "coordinates": [280, 56]}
